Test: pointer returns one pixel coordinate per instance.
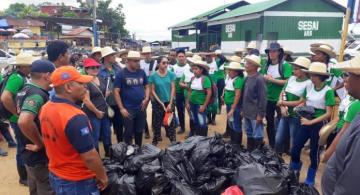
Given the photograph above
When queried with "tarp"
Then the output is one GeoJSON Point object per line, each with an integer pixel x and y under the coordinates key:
{"type": "Point", "coordinates": [3, 23]}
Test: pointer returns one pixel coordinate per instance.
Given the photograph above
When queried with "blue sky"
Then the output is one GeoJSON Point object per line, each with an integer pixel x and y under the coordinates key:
{"type": "Point", "coordinates": [150, 19]}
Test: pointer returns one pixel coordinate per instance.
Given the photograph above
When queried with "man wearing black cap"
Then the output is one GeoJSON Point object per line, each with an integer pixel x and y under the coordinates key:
{"type": "Point", "coordinates": [276, 72]}
{"type": "Point", "coordinates": [29, 101]}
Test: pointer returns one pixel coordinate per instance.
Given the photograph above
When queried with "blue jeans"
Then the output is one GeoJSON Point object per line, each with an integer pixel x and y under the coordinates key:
{"type": "Point", "coordinates": [253, 130]}
{"type": "Point", "coordinates": [199, 119]}
{"type": "Point", "coordinates": [101, 126]}
{"type": "Point", "coordinates": [307, 132]}
{"type": "Point", "coordinates": [235, 124]}
{"type": "Point", "coordinates": [19, 147]}
{"type": "Point", "coordinates": [287, 126]}
{"type": "Point", "coordinates": [64, 187]}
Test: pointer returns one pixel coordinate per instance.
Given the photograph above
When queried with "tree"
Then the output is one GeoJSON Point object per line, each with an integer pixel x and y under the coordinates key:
{"type": "Point", "coordinates": [20, 10]}
{"type": "Point", "coordinates": [69, 14]}
{"type": "Point", "coordinates": [113, 19]}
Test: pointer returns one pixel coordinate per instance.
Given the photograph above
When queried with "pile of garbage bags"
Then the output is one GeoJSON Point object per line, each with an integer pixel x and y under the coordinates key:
{"type": "Point", "coordinates": [199, 166]}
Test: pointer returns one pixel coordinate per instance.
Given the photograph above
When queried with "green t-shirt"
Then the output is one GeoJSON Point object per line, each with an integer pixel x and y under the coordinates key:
{"type": "Point", "coordinates": [274, 90]}
{"type": "Point", "coordinates": [352, 111]}
{"type": "Point", "coordinates": [198, 86]}
{"type": "Point", "coordinates": [341, 121]}
{"type": "Point", "coordinates": [162, 85]}
{"type": "Point", "coordinates": [182, 80]}
{"type": "Point", "coordinates": [14, 84]}
{"type": "Point", "coordinates": [33, 103]}
{"type": "Point", "coordinates": [220, 74]}
{"type": "Point", "coordinates": [229, 94]}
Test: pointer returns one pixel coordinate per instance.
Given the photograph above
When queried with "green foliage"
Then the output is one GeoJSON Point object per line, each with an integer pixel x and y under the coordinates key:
{"type": "Point", "coordinates": [69, 14]}
{"type": "Point", "coordinates": [20, 10]}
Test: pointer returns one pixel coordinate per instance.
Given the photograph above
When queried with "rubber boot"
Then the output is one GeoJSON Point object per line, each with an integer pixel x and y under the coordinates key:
{"type": "Point", "coordinates": [296, 167]}
{"type": "Point", "coordinates": [138, 139]}
{"type": "Point", "coordinates": [107, 150]}
{"type": "Point", "coordinates": [227, 131]}
{"type": "Point", "coordinates": [250, 144]}
{"type": "Point", "coordinates": [258, 143]}
{"type": "Point", "coordinates": [310, 178]}
{"type": "Point", "coordinates": [23, 175]}
{"type": "Point", "coordinates": [236, 137]}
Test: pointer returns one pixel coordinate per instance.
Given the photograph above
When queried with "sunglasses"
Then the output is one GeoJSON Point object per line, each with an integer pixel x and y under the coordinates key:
{"type": "Point", "coordinates": [93, 68]}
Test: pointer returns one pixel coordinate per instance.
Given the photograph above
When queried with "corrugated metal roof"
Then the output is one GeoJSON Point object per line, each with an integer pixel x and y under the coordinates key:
{"type": "Point", "coordinates": [77, 31]}
{"type": "Point", "coordinates": [24, 22]}
{"type": "Point", "coordinates": [249, 9]}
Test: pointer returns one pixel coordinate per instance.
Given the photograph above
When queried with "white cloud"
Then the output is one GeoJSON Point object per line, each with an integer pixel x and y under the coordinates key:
{"type": "Point", "coordinates": [150, 19]}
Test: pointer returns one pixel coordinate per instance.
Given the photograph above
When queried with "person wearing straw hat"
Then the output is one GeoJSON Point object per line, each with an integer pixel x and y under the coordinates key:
{"type": "Point", "coordinates": [162, 84]}
{"type": "Point", "coordinates": [253, 105]}
{"type": "Point", "coordinates": [180, 69]}
{"type": "Point", "coordinates": [290, 97]}
{"type": "Point", "coordinates": [132, 95]}
{"type": "Point", "coordinates": [231, 98]}
{"type": "Point", "coordinates": [341, 172]}
{"type": "Point", "coordinates": [199, 96]}
{"type": "Point", "coordinates": [212, 109]}
{"type": "Point", "coordinates": [96, 54]}
{"type": "Point", "coordinates": [74, 164]}
{"type": "Point", "coordinates": [322, 98]}
{"type": "Point", "coordinates": [29, 102]}
{"type": "Point", "coordinates": [324, 54]}
{"type": "Point", "coordinates": [122, 58]}
{"type": "Point", "coordinates": [276, 72]}
{"type": "Point", "coordinates": [96, 107]}
{"type": "Point", "coordinates": [13, 84]}
{"type": "Point", "coordinates": [57, 52]}
{"type": "Point", "coordinates": [107, 72]}
{"type": "Point", "coordinates": [239, 52]}
{"type": "Point", "coordinates": [251, 46]}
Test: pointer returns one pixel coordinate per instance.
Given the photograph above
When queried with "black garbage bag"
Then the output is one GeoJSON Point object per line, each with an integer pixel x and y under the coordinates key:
{"type": "Point", "coordinates": [218, 171]}
{"type": "Point", "coordinates": [303, 189]}
{"type": "Point", "coordinates": [127, 185]}
{"type": "Point", "coordinates": [200, 154]}
{"type": "Point", "coordinates": [177, 167]}
{"type": "Point", "coordinates": [118, 152]}
{"type": "Point", "coordinates": [146, 154]}
{"type": "Point", "coordinates": [214, 186]}
{"type": "Point", "coordinates": [145, 179]}
{"type": "Point", "coordinates": [113, 186]}
{"type": "Point", "coordinates": [182, 188]}
{"type": "Point", "coordinates": [161, 184]}
{"type": "Point", "coordinates": [252, 178]}
{"type": "Point", "coordinates": [188, 145]}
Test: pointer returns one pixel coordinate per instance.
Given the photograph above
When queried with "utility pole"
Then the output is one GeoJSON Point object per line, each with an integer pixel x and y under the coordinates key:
{"type": "Point", "coordinates": [96, 43]}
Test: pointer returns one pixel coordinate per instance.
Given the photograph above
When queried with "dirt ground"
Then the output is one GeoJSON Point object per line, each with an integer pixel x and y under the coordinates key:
{"type": "Point", "coordinates": [9, 178]}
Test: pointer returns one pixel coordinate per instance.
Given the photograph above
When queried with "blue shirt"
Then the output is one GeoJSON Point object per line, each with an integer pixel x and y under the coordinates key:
{"type": "Point", "coordinates": [106, 75]}
{"type": "Point", "coordinates": [132, 87]}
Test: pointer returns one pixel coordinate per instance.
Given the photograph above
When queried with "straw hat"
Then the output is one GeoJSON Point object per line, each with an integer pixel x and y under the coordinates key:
{"type": "Point", "coordinates": [123, 51]}
{"type": "Point", "coordinates": [194, 58]}
{"type": "Point", "coordinates": [106, 51]}
{"type": "Point", "coordinates": [146, 49]}
{"type": "Point", "coordinates": [95, 50]}
{"type": "Point", "coordinates": [252, 45]}
{"type": "Point", "coordinates": [253, 59]}
{"type": "Point", "coordinates": [352, 66]}
{"type": "Point", "coordinates": [239, 50]}
{"type": "Point", "coordinates": [234, 59]}
{"type": "Point", "coordinates": [24, 59]}
{"type": "Point", "coordinates": [318, 44]}
{"type": "Point", "coordinates": [302, 62]}
{"type": "Point", "coordinates": [133, 55]}
{"type": "Point", "coordinates": [326, 49]}
{"type": "Point", "coordinates": [189, 54]}
{"type": "Point", "coordinates": [325, 131]}
{"type": "Point", "coordinates": [287, 51]}
{"type": "Point", "coordinates": [235, 66]}
{"type": "Point", "coordinates": [200, 63]}
{"type": "Point", "coordinates": [317, 68]}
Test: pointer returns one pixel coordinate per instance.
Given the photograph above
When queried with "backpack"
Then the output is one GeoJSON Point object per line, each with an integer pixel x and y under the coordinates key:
{"type": "Point", "coordinates": [4, 113]}
{"type": "Point", "coordinates": [214, 89]}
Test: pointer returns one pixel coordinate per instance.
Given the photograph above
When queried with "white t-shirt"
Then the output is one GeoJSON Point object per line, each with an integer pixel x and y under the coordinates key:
{"type": "Point", "coordinates": [188, 75]}
{"type": "Point", "coordinates": [180, 70]}
{"type": "Point", "coordinates": [316, 99]}
{"type": "Point", "coordinates": [213, 68]}
{"type": "Point", "coordinates": [273, 71]}
{"type": "Point", "coordinates": [229, 83]}
{"type": "Point", "coordinates": [345, 103]}
{"type": "Point", "coordinates": [196, 84]}
{"type": "Point", "coordinates": [296, 87]}
{"type": "Point", "coordinates": [146, 66]}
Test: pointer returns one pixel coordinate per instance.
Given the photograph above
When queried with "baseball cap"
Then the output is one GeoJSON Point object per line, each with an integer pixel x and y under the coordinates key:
{"type": "Point", "coordinates": [42, 66]}
{"type": "Point", "coordinates": [67, 74]}
{"type": "Point", "coordinates": [89, 62]}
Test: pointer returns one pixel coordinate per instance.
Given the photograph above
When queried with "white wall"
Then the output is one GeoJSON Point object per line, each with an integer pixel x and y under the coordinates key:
{"type": "Point", "coordinates": [191, 45]}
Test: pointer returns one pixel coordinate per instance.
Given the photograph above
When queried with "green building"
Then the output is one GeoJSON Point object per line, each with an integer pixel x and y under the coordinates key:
{"type": "Point", "coordinates": [295, 24]}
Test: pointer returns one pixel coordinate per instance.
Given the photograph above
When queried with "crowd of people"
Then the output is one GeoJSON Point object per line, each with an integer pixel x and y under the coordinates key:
{"type": "Point", "coordinates": [61, 107]}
